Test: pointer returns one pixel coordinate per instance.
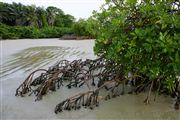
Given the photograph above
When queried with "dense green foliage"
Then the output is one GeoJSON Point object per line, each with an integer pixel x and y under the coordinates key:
{"type": "Point", "coordinates": [82, 28]}
{"type": "Point", "coordinates": [144, 36]}
{"type": "Point", "coordinates": [17, 14]}
{"type": "Point", "coordinates": [18, 32]}
{"type": "Point", "coordinates": [20, 21]}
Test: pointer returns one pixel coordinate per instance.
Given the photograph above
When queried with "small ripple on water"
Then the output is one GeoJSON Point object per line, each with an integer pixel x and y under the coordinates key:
{"type": "Point", "coordinates": [38, 57]}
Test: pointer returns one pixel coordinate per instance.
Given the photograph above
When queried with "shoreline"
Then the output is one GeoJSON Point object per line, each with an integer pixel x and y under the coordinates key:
{"type": "Point", "coordinates": [44, 38]}
{"type": "Point", "coordinates": [123, 107]}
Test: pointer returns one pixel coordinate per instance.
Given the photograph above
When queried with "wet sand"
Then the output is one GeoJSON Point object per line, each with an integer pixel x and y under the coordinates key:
{"type": "Point", "coordinates": [20, 57]}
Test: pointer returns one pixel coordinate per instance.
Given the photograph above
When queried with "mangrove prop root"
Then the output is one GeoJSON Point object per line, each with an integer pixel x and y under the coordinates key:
{"type": "Point", "coordinates": [149, 93]}
{"type": "Point", "coordinates": [89, 99]}
{"type": "Point", "coordinates": [77, 73]}
{"type": "Point", "coordinates": [94, 74]}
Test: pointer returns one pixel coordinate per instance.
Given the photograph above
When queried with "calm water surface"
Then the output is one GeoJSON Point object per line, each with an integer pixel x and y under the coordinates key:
{"type": "Point", "coordinates": [20, 57]}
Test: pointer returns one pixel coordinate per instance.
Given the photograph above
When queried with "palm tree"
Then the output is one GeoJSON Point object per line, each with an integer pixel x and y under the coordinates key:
{"type": "Point", "coordinates": [19, 13]}
{"type": "Point", "coordinates": [52, 13]}
{"type": "Point", "coordinates": [1, 9]}
{"type": "Point", "coordinates": [31, 16]}
{"type": "Point", "coordinates": [7, 15]}
{"type": "Point", "coordinates": [42, 17]}
{"type": "Point", "coordinates": [14, 14]}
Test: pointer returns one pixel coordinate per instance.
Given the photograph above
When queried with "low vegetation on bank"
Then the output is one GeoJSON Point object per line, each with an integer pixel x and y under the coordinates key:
{"type": "Point", "coordinates": [19, 32]}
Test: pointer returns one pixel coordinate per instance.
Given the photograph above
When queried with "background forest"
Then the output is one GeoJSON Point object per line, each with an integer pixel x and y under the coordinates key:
{"type": "Point", "coordinates": [20, 21]}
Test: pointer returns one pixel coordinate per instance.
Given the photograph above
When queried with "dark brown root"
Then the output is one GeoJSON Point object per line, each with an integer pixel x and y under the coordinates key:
{"type": "Point", "coordinates": [149, 94]}
{"type": "Point", "coordinates": [95, 74]}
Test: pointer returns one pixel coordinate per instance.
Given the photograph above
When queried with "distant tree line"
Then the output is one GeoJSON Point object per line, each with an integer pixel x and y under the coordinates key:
{"type": "Point", "coordinates": [20, 21]}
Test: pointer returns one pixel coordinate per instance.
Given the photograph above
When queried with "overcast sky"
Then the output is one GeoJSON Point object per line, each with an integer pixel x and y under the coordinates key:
{"type": "Point", "coordinates": [77, 8]}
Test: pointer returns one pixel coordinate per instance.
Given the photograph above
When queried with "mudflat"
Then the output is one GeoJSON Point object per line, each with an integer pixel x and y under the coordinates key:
{"type": "Point", "coordinates": [20, 57]}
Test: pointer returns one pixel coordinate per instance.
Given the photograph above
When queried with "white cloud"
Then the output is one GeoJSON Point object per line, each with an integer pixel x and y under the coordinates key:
{"type": "Point", "coordinates": [77, 8]}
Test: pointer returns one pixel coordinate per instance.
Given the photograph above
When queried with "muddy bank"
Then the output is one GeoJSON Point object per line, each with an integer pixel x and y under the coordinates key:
{"type": "Point", "coordinates": [20, 57]}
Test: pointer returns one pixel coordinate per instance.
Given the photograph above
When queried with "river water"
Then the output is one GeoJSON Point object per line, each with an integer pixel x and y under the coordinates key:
{"type": "Point", "coordinates": [20, 57]}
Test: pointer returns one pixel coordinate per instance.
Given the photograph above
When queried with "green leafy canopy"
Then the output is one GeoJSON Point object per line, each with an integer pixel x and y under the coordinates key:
{"type": "Point", "coordinates": [143, 35]}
